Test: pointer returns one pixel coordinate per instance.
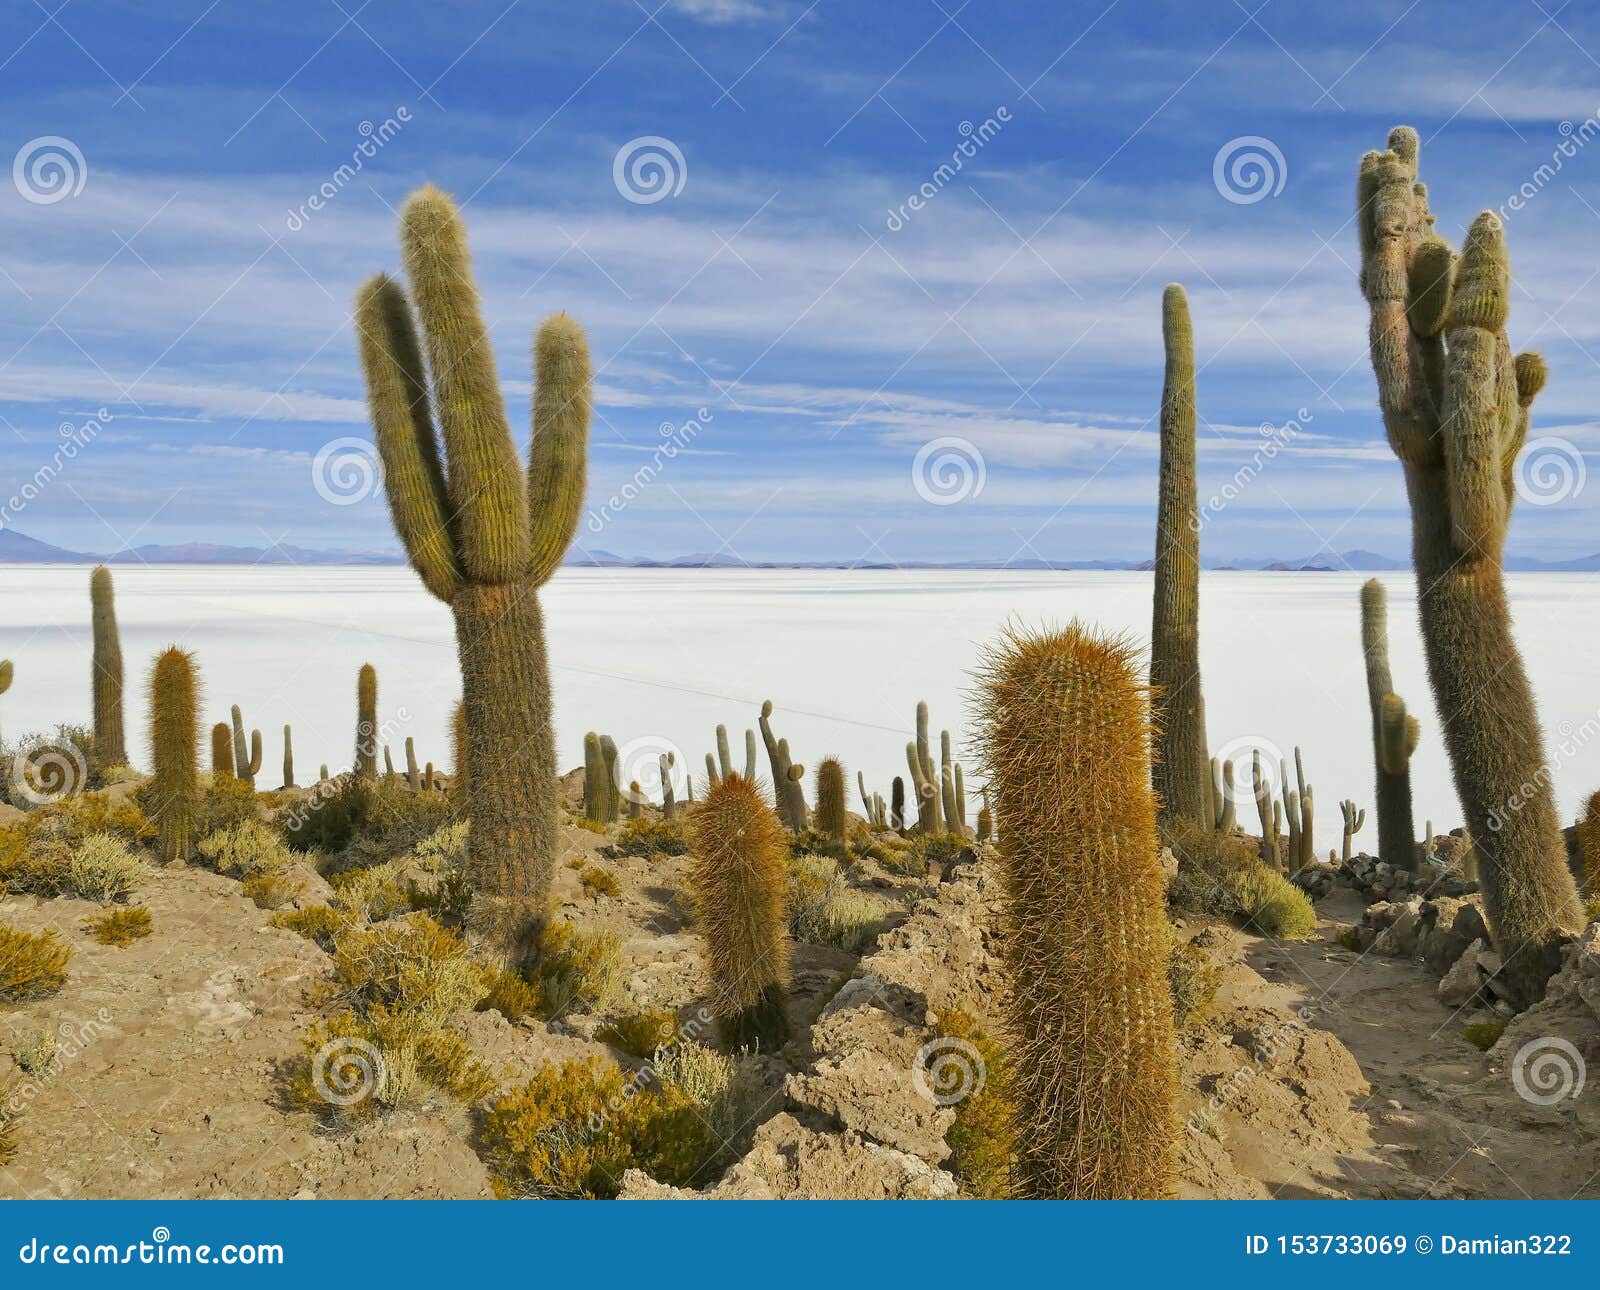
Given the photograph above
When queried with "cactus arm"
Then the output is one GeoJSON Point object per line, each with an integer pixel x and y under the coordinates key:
{"type": "Point", "coordinates": [750, 754]}
{"type": "Point", "coordinates": [558, 461]}
{"type": "Point", "coordinates": [724, 757]}
{"type": "Point", "coordinates": [487, 492]}
{"type": "Point", "coordinates": [397, 398]}
{"type": "Point", "coordinates": [780, 768]}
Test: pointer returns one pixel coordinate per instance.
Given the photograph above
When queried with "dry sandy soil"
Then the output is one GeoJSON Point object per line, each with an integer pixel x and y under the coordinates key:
{"type": "Point", "coordinates": [1314, 1073]}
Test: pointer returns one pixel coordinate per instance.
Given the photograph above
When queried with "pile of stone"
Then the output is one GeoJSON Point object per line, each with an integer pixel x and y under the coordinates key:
{"type": "Point", "coordinates": [1448, 935]}
{"type": "Point", "coordinates": [1376, 880]}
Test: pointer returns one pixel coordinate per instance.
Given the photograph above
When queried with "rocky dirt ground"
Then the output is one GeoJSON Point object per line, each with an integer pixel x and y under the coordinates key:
{"type": "Point", "coordinates": [1315, 1072]}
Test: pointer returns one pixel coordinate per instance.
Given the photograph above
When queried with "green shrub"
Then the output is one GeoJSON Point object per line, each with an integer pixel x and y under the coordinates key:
{"type": "Point", "coordinates": [574, 1129]}
{"type": "Point", "coordinates": [577, 970]}
{"type": "Point", "coordinates": [226, 803]}
{"type": "Point", "coordinates": [102, 868]}
{"type": "Point", "coordinates": [647, 837]}
{"type": "Point", "coordinates": [272, 889]}
{"type": "Point", "coordinates": [374, 894]}
{"type": "Point", "coordinates": [34, 1056]}
{"type": "Point", "coordinates": [32, 964]}
{"type": "Point", "coordinates": [983, 1139]}
{"type": "Point", "coordinates": [120, 927]}
{"type": "Point", "coordinates": [246, 848]}
{"type": "Point", "coordinates": [322, 925]}
{"type": "Point", "coordinates": [381, 819]}
{"type": "Point", "coordinates": [726, 1087]}
{"type": "Point", "coordinates": [639, 1034]}
{"type": "Point", "coordinates": [1272, 904]}
{"type": "Point", "coordinates": [1222, 874]}
{"type": "Point", "coordinates": [408, 966]}
{"type": "Point", "coordinates": [1192, 977]}
{"type": "Point", "coordinates": [825, 910]}
{"type": "Point", "coordinates": [444, 849]}
{"type": "Point", "coordinates": [598, 881]}
{"type": "Point", "coordinates": [85, 814]}
{"type": "Point", "coordinates": [1484, 1034]}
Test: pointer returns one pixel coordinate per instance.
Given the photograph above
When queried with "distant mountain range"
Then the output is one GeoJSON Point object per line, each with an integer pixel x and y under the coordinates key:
{"type": "Point", "coordinates": [19, 548]}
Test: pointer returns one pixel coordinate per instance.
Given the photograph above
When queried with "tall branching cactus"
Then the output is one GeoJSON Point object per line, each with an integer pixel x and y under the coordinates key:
{"type": "Point", "coordinates": [1394, 735]}
{"type": "Point", "coordinates": [1182, 781]}
{"type": "Point", "coordinates": [1354, 821]}
{"type": "Point", "coordinates": [483, 536]}
{"type": "Point", "coordinates": [175, 754]}
{"type": "Point", "coordinates": [1456, 406]}
{"type": "Point", "coordinates": [110, 745]}
{"type": "Point", "coordinates": [366, 763]}
{"type": "Point", "coordinates": [1065, 731]}
{"type": "Point", "coordinates": [737, 874]}
{"type": "Point", "coordinates": [246, 761]}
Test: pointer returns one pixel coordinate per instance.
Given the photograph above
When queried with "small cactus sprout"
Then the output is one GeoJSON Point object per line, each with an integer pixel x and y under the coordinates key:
{"type": "Point", "coordinates": [737, 874]}
{"type": "Point", "coordinates": [897, 805]}
{"type": "Point", "coordinates": [366, 761]}
{"type": "Point", "coordinates": [413, 777]}
{"type": "Point", "coordinates": [221, 751]}
{"type": "Point", "coordinates": [1065, 734]}
{"type": "Point", "coordinates": [669, 801]}
{"type": "Point", "coordinates": [110, 747]}
{"type": "Point", "coordinates": [635, 800]}
{"type": "Point", "coordinates": [830, 798]}
{"type": "Point", "coordinates": [246, 765]}
{"type": "Point", "coordinates": [175, 754]}
{"type": "Point", "coordinates": [1353, 822]}
{"type": "Point", "coordinates": [288, 757]}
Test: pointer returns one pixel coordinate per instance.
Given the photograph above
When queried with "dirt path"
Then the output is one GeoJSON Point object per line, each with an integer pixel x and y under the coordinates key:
{"type": "Point", "coordinates": [1445, 1119]}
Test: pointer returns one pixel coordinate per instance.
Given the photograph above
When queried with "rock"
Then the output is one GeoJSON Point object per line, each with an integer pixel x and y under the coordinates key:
{"type": "Point", "coordinates": [1462, 982]}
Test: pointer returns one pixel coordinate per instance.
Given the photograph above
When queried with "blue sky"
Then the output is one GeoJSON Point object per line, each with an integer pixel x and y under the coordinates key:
{"type": "Point", "coordinates": [786, 287]}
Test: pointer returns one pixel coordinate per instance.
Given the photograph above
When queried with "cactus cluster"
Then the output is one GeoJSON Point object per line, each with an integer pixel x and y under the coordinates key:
{"type": "Point", "coordinates": [483, 535]}
{"type": "Point", "coordinates": [1456, 407]}
{"type": "Point", "coordinates": [602, 794]}
{"type": "Point", "coordinates": [1300, 814]}
{"type": "Point", "coordinates": [1066, 743]}
{"type": "Point", "coordinates": [1223, 811]}
{"type": "Point", "coordinates": [940, 792]}
{"type": "Point", "coordinates": [788, 777]}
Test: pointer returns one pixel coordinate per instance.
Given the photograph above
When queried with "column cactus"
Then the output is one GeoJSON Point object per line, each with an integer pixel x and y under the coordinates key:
{"type": "Point", "coordinates": [483, 535]}
{"type": "Point", "coordinates": [389, 773]}
{"type": "Point", "coordinates": [1456, 405]}
{"type": "Point", "coordinates": [594, 773]}
{"type": "Point", "coordinates": [1266, 812]}
{"type": "Point", "coordinates": [947, 785]}
{"type": "Point", "coordinates": [175, 754]}
{"type": "Point", "coordinates": [1181, 757]}
{"type": "Point", "coordinates": [961, 802]}
{"type": "Point", "coordinates": [1354, 821]}
{"type": "Point", "coordinates": [288, 757]}
{"type": "Point", "coordinates": [795, 789]}
{"type": "Point", "coordinates": [897, 805]}
{"type": "Point", "coordinates": [737, 875]}
{"type": "Point", "coordinates": [831, 818]}
{"type": "Point", "coordinates": [366, 761]}
{"type": "Point", "coordinates": [413, 771]}
{"type": "Point", "coordinates": [246, 763]}
{"type": "Point", "coordinates": [1065, 733]}
{"type": "Point", "coordinates": [110, 746]}
{"type": "Point", "coordinates": [221, 751]}
{"type": "Point", "coordinates": [930, 796]}
{"type": "Point", "coordinates": [1394, 736]}
{"type": "Point", "coordinates": [669, 798]}
{"type": "Point", "coordinates": [611, 787]}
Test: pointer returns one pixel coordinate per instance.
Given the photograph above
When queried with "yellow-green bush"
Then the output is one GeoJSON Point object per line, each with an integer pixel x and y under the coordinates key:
{"type": "Point", "coordinates": [597, 881]}
{"type": "Point", "coordinates": [1222, 874]}
{"type": "Point", "coordinates": [244, 849]}
{"type": "Point", "coordinates": [1272, 904]}
{"type": "Point", "coordinates": [226, 802]}
{"type": "Point", "coordinates": [1192, 977]}
{"type": "Point", "coordinates": [574, 1129]}
{"type": "Point", "coordinates": [647, 837]}
{"type": "Point", "coordinates": [272, 889]}
{"type": "Point", "coordinates": [36, 866]}
{"type": "Point", "coordinates": [983, 1139]}
{"type": "Point", "coordinates": [825, 910]}
{"type": "Point", "coordinates": [639, 1034]}
{"type": "Point", "coordinates": [75, 818]}
{"type": "Point", "coordinates": [120, 927]}
{"type": "Point", "coordinates": [373, 894]}
{"type": "Point", "coordinates": [320, 924]}
{"type": "Point", "coordinates": [409, 966]}
{"type": "Point", "coordinates": [32, 964]}
{"type": "Point", "coordinates": [510, 994]}
{"type": "Point", "coordinates": [443, 849]}
{"type": "Point", "coordinates": [577, 970]}
{"type": "Point", "coordinates": [727, 1088]}
{"type": "Point", "coordinates": [102, 868]}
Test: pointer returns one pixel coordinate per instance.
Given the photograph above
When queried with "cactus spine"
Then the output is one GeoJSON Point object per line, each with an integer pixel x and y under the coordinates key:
{"type": "Point", "coordinates": [1066, 741]}
{"type": "Point", "coordinates": [830, 798]}
{"type": "Point", "coordinates": [246, 765]}
{"type": "Point", "coordinates": [288, 758]}
{"type": "Point", "coordinates": [1456, 406]}
{"type": "Point", "coordinates": [1181, 751]}
{"type": "Point", "coordinates": [175, 753]}
{"type": "Point", "coordinates": [483, 535]}
{"type": "Point", "coordinates": [737, 874]}
{"type": "Point", "coordinates": [221, 751]}
{"type": "Point", "coordinates": [1354, 821]}
{"type": "Point", "coordinates": [1394, 736]}
{"type": "Point", "coordinates": [110, 746]}
{"type": "Point", "coordinates": [366, 762]}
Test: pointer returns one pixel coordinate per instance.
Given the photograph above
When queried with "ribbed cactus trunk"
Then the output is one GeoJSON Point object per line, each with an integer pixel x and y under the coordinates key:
{"type": "Point", "coordinates": [366, 760]}
{"type": "Point", "coordinates": [246, 759]}
{"type": "Point", "coordinates": [413, 771]}
{"type": "Point", "coordinates": [288, 758]}
{"type": "Point", "coordinates": [1182, 760]}
{"type": "Point", "coordinates": [484, 535]}
{"type": "Point", "coordinates": [831, 818]}
{"type": "Point", "coordinates": [1456, 406]}
{"type": "Point", "coordinates": [897, 805]}
{"type": "Point", "coordinates": [221, 751]}
{"type": "Point", "coordinates": [110, 745]}
{"type": "Point", "coordinates": [458, 752]}
{"type": "Point", "coordinates": [1391, 757]}
{"type": "Point", "coordinates": [1066, 740]}
{"type": "Point", "coordinates": [175, 754]}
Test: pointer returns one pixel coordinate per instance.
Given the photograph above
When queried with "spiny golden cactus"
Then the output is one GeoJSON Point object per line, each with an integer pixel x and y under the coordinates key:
{"type": "Point", "coordinates": [366, 763]}
{"type": "Point", "coordinates": [1589, 846]}
{"type": "Point", "coordinates": [175, 753]}
{"type": "Point", "coordinates": [110, 746]}
{"type": "Point", "coordinates": [483, 535]}
{"type": "Point", "coordinates": [1182, 763]}
{"type": "Point", "coordinates": [737, 873]}
{"type": "Point", "coordinates": [1456, 406]}
{"type": "Point", "coordinates": [1065, 734]}
{"type": "Point", "coordinates": [221, 751]}
{"type": "Point", "coordinates": [830, 798]}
